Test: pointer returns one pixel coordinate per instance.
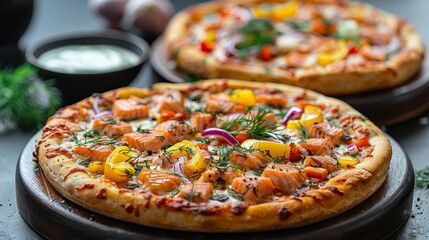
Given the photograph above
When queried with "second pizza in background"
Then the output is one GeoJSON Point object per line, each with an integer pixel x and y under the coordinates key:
{"type": "Point", "coordinates": [333, 47]}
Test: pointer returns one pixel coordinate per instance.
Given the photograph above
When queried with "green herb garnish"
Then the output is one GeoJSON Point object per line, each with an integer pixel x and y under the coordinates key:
{"type": "Point", "coordinates": [189, 78]}
{"type": "Point", "coordinates": [25, 101]}
{"type": "Point", "coordinates": [422, 178]}
{"type": "Point", "coordinates": [255, 127]}
{"type": "Point", "coordinates": [256, 33]}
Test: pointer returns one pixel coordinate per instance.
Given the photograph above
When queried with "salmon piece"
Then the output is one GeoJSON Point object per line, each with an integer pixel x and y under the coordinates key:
{"type": "Point", "coordinates": [163, 160]}
{"type": "Point", "coordinates": [221, 103]}
{"type": "Point", "coordinates": [317, 146]}
{"type": "Point", "coordinates": [152, 142]}
{"type": "Point", "coordinates": [371, 53]}
{"type": "Point", "coordinates": [273, 100]}
{"type": "Point", "coordinates": [171, 100]}
{"type": "Point", "coordinates": [312, 45]}
{"type": "Point", "coordinates": [375, 35]}
{"type": "Point", "coordinates": [214, 175]}
{"type": "Point", "coordinates": [165, 134]}
{"type": "Point", "coordinates": [159, 182]}
{"type": "Point", "coordinates": [285, 178]}
{"type": "Point", "coordinates": [248, 159]}
{"type": "Point", "coordinates": [316, 172]}
{"type": "Point", "coordinates": [302, 103]}
{"type": "Point", "coordinates": [111, 127]}
{"type": "Point", "coordinates": [268, 119]}
{"type": "Point", "coordinates": [201, 121]}
{"type": "Point", "coordinates": [96, 153]}
{"type": "Point", "coordinates": [196, 192]}
{"type": "Point", "coordinates": [253, 189]}
{"type": "Point", "coordinates": [175, 131]}
{"type": "Point", "coordinates": [327, 162]}
{"type": "Point", "coordinates": [294, 59]}
{"type": "Point", "coordinates": [326, 130]}
{"type": "Point", "coordinates": [129, 109]}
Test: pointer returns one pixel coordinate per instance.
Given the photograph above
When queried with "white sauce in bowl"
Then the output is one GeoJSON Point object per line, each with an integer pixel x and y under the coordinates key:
{"type": "Point", "coordinates": [88, 58]}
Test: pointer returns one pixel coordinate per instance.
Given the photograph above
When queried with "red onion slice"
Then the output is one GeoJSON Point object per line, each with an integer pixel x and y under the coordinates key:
{"type": "Point", "coordinates": [95, 103]}
{"type": "Point", "coordinates": [353, 149]}
{"type": "Point", "coordinates": [217, 132]}
{"type": "Point", "coordinates": [293, 114]}
{"type": "Point", "coordinates": [104, 114]}
{"type": "Point", "coordinates": [178, 167]}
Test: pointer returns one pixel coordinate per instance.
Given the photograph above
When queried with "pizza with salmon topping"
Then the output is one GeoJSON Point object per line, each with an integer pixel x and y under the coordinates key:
{"type": "Point", "coordinates": [214, 156]}
{"type": "Point", "coordinates": [334, 47]}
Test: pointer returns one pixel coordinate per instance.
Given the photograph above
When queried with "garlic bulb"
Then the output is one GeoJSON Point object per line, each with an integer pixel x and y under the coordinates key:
{"type": "Point", "coordinates": [150, 16]}
{"type": "Point", "coordinates": [112, 10]}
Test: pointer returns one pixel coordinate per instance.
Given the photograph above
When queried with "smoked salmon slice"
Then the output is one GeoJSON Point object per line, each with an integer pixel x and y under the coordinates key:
{"type": "Point", "coordinates": [153, 141]}
{"type": "Point", "coordinates": [268, 118]}
{"type": "Point", "coordinates": [253, 189]}
{"type": "Point", "coordinates": [221, 176]}
{"type": "Point", "coordinates": [326, 130]}
{"type": "Point", "coordinates": [163, 160]}
{"type": "Point", "coordinates": [165, 134]}
{"type": "Point", "coordinates": [111, 127]}
{"type": "Point", "coordinates": [175, 131]}
{"type": "Point", "coordinates": [317, 146]}
{"type": "Point", "coordinates": [170, 101]}
{"type": "Point", "coordinates": [327, 162]}
{"type": "Point", "coordinates": [196, 192]}
{"type": "Point", "coordinates": [159, 182]}
{"type": "Point", "coordinates": [221, 103]}
{"type": "Point", "coordinates": [248, 159]}
{"type": "Point", "coordinates": [201, 121]}
{"type": "Point", "coordinates": [285, 177]}
{"type": "Point", "coordinates": [129, 109]}
{"type": "Point", "coordinates": [273, 100]}
{"type": "Point", "coordinates": [95, 153]}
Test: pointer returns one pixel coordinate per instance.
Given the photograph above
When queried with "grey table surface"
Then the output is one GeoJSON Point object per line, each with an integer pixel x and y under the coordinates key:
{"type": "Point", "coordinates": [52, 17]}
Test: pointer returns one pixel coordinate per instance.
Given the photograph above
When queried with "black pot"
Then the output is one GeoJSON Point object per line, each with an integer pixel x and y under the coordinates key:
{"type": "Point", "coordinates": [15, 16]}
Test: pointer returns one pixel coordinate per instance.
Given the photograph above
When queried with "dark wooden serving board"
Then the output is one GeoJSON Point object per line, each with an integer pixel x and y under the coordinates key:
{"type": "Point", "coordinates": [54, 217]}
{"type": "Point", "coordinates": [383, 107]}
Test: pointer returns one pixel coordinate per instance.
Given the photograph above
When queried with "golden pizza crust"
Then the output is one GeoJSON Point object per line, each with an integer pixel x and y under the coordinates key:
{"type": "Point", "coordinates": [330, 80]}
{"type": "Point", "coordinates": [103, 196]}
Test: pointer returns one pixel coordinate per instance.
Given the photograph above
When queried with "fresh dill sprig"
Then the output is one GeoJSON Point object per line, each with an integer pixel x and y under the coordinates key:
{"type": "Point", "coordinates": [255, 126]}
{"type": "Point", "coordinates": [25, 101]}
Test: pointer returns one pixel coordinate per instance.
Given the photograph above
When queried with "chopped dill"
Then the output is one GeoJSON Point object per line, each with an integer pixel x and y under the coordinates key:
{"type": "Point", "coordinates": [235, 194]}
{"type": "Point", "coordinates": [192, 194]}
{"type": "Point", "coordinates": [303, 131]}
{"type": "Point", "coordinates": [422, 178]}
{"type": "Point", "coordinates": [140, 129]}
{"type": "Point", "coordinates": [255, 127]}
{"type": "Point", "coordinates": [84, 163]}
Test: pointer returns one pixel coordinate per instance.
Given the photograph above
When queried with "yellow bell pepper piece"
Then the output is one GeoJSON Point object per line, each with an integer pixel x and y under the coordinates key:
{"type": "Point", "coordinates": [348, 161]}
{"type": "Point", "coordinates": [243, 96]}
{"type": "Point", "coordinates": [194, 156]}
{"type": "Point", "coordinates": [274, 149]}
{"type": "Point", "coordinates": [284, 12]}
{"type": "Point", "coordinates": [330, 56]}
{"type": "Point", "coordinates": [117, 167]}
{"type": "Point", "coordinates": [96, 167]}
{"type": "Point", "coordinates": [260, 12]}
{"type": "Point", "coordinates": [311, 115]}
{"type": "Point", "coordinates": [210, 36]}
{"type": "Point", "coordinates": [293, 124]}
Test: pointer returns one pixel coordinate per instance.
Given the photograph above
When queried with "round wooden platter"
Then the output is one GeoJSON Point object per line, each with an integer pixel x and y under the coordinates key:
{"type": "Point", "coordinates": [54, 217]}
{"type": "Point", "coordinates": [384, 107]}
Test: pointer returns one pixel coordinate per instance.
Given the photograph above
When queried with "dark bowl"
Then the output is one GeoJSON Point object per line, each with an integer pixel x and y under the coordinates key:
{"type": "Point", "coordinates": [76, 86]}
